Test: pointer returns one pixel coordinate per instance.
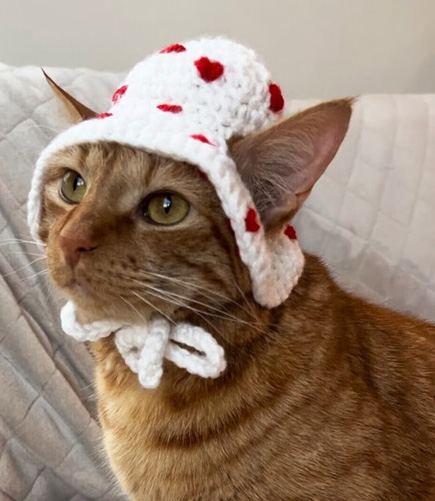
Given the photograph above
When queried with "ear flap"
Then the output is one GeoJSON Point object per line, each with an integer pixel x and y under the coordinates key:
{"type": "Point", "coordinates": [280, 165]}
{"type": "Point", "coordinates": [76, 110]}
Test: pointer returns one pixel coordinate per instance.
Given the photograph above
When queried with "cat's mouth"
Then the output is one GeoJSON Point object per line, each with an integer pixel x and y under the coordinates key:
{"type": "Point", "coordinates": [85, 292]}
{"type": "Point", "coordinates": [78, 287]}
{"type": "Point", "coordinates": [96, 302]}
{"type": "Point", "coordinates": [103, 291]}
{"type": "Point", "coordinates": [95, 298]}
{"type": "Point", "coordinates": [69, 281]}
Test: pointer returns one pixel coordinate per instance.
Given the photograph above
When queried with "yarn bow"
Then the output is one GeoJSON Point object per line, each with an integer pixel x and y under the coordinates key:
{"type": "Point", "coordinates": [143, 347]}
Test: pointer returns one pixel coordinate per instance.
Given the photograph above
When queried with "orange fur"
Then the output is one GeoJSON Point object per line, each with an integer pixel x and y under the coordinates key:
{"type": "Point", "coordinates": [326, 397]}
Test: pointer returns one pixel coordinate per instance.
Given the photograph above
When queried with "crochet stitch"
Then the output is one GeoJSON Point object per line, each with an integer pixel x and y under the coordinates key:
{"type": "Point", "coordinates": [217, 102]}
{"type": "Point", "coordinates": [186, 102]}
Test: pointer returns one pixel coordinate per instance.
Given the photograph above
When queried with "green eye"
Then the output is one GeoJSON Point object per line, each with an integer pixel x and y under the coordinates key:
{"type": "Point", "coordinates": [166, 208]}
{"type": "Point", "coordinates": [73, 187]}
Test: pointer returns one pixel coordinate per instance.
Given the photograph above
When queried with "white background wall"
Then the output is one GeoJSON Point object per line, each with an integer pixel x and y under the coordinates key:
{"type": "Point", "coordinates": [314, 48]}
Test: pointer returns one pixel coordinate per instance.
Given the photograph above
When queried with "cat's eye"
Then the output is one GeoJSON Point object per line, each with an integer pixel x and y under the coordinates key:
{"type": "Point", "coordinates": [165, 208]}
{"type": "Point", "coordinates": [73, 187]}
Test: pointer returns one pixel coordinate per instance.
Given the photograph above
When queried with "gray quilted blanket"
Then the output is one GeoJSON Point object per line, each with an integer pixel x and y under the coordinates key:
{"type": "Point", "coordinates": [49, 435]}
{"type": "Point", "coordinates": [371, 217]}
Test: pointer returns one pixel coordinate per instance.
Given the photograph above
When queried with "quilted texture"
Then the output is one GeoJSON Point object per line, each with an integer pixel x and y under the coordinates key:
{"type": "Point", "coordinates": [49, 436]}
{"type": "Point", "coordinates": [371, 217]}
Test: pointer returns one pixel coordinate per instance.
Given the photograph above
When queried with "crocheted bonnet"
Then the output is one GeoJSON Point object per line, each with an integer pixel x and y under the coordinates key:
{"type": "Point", "coordinates": [186, 102]}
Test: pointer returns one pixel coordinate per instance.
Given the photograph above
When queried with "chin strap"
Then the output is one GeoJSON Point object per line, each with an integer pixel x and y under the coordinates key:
{"type": "Point", "coordinates": [143, 347]}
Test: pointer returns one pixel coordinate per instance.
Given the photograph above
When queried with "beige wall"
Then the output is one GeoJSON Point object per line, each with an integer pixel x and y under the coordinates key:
{"type": "Point", "coordinates": [315, 48]}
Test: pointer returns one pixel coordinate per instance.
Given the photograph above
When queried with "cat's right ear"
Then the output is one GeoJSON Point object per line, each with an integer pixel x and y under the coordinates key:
{"type": "Point", "coordinates": [77, 111]}
{"type": "Point", "coordinates": [280, 165]}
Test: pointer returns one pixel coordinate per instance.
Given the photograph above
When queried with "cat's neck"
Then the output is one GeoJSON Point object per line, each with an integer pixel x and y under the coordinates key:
{"type": "Point", "coordinates": [259, 343]}
{"type": "Point", "coordinates": [286, 353]}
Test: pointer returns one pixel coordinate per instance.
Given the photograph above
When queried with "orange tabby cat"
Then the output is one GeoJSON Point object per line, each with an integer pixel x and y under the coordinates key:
{"type": "Point", "coordinates": [326, 397]}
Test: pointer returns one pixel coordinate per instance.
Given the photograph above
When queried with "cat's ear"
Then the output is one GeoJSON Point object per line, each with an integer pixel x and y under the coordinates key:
{"type": "Point", "coordinates": [280, 165]}
{"type": "Point", "coordinates": [77, 111]}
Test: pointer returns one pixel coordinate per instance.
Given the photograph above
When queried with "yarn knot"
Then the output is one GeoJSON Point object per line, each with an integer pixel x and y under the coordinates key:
{"type": "Point", "coordinates": [143, 347]}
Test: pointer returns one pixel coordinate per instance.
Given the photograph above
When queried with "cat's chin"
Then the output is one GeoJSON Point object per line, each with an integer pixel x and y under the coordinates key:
{"type": "Point", "coordinates": [90, 309]}
{"type": "Point", "coordinates": [78, 292]}
{"type": "Point", "coordinates": [91, 306]}
{"type": "Point", "coordinates": [94, 302]}
{"type": "Point", "coordinates": [76, 287]}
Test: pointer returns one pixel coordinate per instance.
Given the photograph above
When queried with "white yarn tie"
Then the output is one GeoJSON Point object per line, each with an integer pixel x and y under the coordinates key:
{"type": "Point", "coordinates": [87, 332]}
{"type": "Point", "coordinates": [209, 362]}
{"type": "Point", "coordinates": [143, 347]}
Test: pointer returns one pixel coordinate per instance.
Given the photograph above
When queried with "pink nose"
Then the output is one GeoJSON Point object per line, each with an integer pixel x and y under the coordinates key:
{"type": "Point", "coordinates": [74, 244]}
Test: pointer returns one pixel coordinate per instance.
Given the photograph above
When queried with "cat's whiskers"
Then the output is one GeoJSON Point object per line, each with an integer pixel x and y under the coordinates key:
{"type": "Point", "coordinates": [153, 307]}
{"type": "Point", "coordinates": [248, 304]}
{"type": "Point", "coordinates": [190, 285]}
{"type": "Point", "coordinates": [15, 253]}
{"type": "Point", "coordinates": [11, 241]}
{"type": "Point", "coordinates": [193, 286]}
{"type": "Point", "coordinates": [223, 315]}
{"type": "Point", "coordinates": [23, 267]}
{"type": "Point", "coordinates": [163, 296]}
{"type": "Point", "coordinates": [42, 272]}
{"type": "Point", "coordinates": [173, 294]}
{"type": "Point", "coordinates": [198, 288]}
{"type": "Point", "coordinates": [132, 307]}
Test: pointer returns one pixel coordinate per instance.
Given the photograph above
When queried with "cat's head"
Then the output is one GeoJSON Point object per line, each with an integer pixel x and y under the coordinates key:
{"type": "Point", "coordinates": [128, 232]}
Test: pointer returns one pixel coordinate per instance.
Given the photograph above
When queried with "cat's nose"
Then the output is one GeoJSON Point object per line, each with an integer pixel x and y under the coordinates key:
{"type": "Point", "coordinates": [74, 245]}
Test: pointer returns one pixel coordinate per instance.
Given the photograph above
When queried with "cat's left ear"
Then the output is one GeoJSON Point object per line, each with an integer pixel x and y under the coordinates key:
{"type": "Point", "coordinates": [280, 165]}
{"type": "Point", "coordinates": [77, 111]}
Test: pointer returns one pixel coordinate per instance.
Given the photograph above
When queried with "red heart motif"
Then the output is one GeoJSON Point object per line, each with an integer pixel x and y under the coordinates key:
{"type": "Point", "coordinates": [276, 102]}
{"type": "Point", "coordinates": [290, 232]}
{"type": "Point", "coordinates": [170, 108]}
{"type": "Point", "coordinates": [203, 175]}
{"type": "Point", "coordinates": [202, 138]}
{"type": "Point", "coordinates": [119, 93]}
{"type": "Point", "coordinates": [176, 47]}
{"type": "Point", "coordinates": [103, 115]}
{"type": "Point", "coordinates": [251, 221]}
{"type": "Point", "coordinates": [209, 70]}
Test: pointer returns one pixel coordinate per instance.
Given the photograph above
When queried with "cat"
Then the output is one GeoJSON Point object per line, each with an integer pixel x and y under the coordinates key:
{"type": "Point", "coordinates": [326, 397]}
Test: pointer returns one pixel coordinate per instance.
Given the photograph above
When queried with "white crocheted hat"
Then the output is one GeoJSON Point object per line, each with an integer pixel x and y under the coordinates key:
{"type": "Point", "coordinates": [186, 102]}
